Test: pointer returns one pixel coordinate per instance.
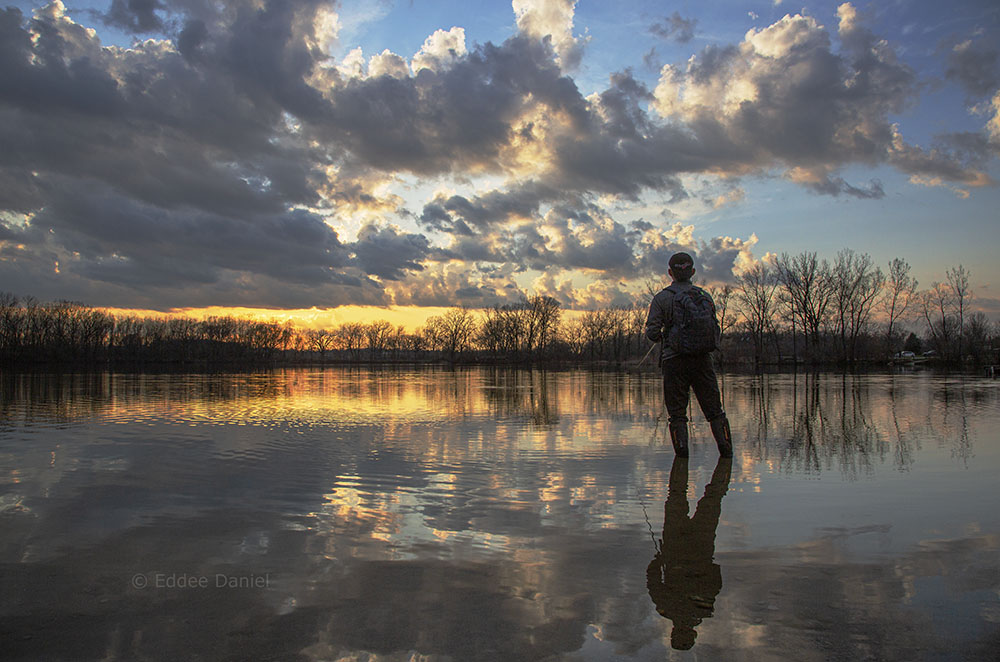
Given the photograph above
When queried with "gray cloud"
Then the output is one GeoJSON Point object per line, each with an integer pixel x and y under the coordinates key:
{"type": "Point", "coordinates": [441, 122]}
{"type": "Point", "coordinates": [168, 258]}
{"type": "Point", "coordinates": [837, 186]}
{"type": "Point", "coordinates": [675, 27]}
{"type": "Point", "coordinates": [650, 59]}
{"type": "Point", "coordinates": [136, 16]}
{"type": "Point", "coordinates": [458, 214]}
{"type": "Point", "coordinates": [389, 253]}
{"type": "Point", "coordinates": [976, 67]}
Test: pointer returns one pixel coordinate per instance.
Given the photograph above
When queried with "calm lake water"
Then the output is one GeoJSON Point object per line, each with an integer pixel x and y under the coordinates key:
{"type": "Point", "coordinates": [485, 514]}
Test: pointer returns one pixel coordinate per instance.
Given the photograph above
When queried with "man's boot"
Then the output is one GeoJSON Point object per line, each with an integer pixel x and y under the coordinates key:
{"type": "Point", "coordinates": [723, 437]}
{"type": "Point", "coordinates": [679, 438]}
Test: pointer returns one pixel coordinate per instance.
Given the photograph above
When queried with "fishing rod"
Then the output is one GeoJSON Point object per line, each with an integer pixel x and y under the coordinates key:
{"type": "Point", "coordinates": [643, 360]}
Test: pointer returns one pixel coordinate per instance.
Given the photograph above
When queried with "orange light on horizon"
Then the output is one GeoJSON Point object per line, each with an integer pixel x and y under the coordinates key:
{"type": "Point", "coordinates": [410, 317]}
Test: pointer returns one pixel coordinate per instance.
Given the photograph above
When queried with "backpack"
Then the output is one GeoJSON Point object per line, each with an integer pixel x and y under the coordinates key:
{"type": "Point", "coordinates": [695, 329]}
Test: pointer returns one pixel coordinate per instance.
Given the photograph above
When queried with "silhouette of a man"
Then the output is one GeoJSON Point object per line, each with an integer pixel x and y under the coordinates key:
{"type": "Point", "coordinates": [682, 578]}
{"type": "Point", "coordinates": [682, 318]}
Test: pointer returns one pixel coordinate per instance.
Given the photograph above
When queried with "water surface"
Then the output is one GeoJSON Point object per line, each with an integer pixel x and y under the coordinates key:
{"type": "Point", "coordinates": [488, 514]}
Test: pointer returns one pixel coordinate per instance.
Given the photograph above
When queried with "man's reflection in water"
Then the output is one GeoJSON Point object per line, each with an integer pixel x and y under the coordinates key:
{"type": "Point", "coordinates": [682, 579]}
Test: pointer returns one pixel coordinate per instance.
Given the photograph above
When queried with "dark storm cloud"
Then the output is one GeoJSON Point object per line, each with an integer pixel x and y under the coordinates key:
{"type": "Point", "coordinates": [19, 190]}
{"type": "Point", "coordinates": [136, 16]}
{"type": "Point", "coordinates": [167, 134]}
{"type": "Point", "coordinates": [146, 243]}
{"type": "Point", "coordinates": [675, 27]}
{"type": "Point", "coordinates": [458, 214]}
{"type": "Point", "coordinates": [622, 151]}
{"type": "Point", "coordinates": [438, 122]}
{"type": "Point", "coordinates": [53, 69]}
{"type": "Point", "coordinates": [388, 252]}
{"type": "Point", "coordinates": [268, 57]}
{"type": "Point", "coordinates": [156, 174]}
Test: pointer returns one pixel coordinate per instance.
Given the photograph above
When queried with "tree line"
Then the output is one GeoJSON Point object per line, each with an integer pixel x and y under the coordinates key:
{"type": "Point", "coordinates": [793, 308]}
{"type": "Point", "coordinates": [807, 309]}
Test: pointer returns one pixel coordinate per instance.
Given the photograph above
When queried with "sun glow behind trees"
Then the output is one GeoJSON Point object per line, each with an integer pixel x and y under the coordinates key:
{"type": "Point", "coordinates": [845, 311]}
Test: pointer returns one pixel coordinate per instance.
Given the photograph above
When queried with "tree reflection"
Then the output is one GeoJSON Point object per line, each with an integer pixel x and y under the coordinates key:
{"type": "Point", "coordinates": [516, 392]}
{"type": "Point", "coordinates": [807, 423]}
{"type": "Point", "coordinates": [682, 578]}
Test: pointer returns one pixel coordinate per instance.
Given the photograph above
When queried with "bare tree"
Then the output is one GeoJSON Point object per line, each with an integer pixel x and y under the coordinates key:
{"type": "Point", "coordinates": [899, 294]}
{"type": "Point", "coordinates": [397, 342]}
{"type": "Point", "coordinates": [723, 298]}
{"type": "Point", "coordinates": [377, 336]}
{"type": "Point", "coordinates": [543, 322]}
{"type": "Point", "coordinates": [651, 286]}
{"type": "Point", "coordinates": [574, 335]}
{"type": "Point", "coordinates": [504, 330]}
{"type": "Point", "coordinates": [934, 305]}
{"type": "Point", "coordinates": [452, 332]}
{"type": "Point", "coordinates": [809, 286]}
{"type": "Point", "coordinates": [349, 336]}
{"type": "Point", "coordinates": [979, 331]}
{"type": "Point", "coordinates": [958, 280]}
{"type": "Point", "coordinates": [856, 283]}
{"type": "Point", "coordinates": [755, 289]}
{"type": "Point", "coordinates": [321, 340]}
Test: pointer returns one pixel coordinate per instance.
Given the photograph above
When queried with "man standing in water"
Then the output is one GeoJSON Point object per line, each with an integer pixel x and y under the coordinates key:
{"type": "Point", "coordinates": [682, 319]}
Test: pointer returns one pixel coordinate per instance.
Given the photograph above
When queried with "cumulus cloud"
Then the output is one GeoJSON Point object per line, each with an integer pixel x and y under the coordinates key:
{"type": "Point", "coordinates": [459, 215]}
{"type": "Point", "coordinates": [552, 21]}
{"type": "Point", "coordinates": [447, 284]}
{"type": "Point", "coordinates": [459, 119]}
{"type": "Point", "coordinates": [440, 50]}
{"type": "Point", "coordinates": [784, 97]}
{"type": "Point", "coordinates": [716, 259]}
{"type": "Point", "coordinates": [388, 63]}
{"type": "Point", "coordinates": [593, 296]}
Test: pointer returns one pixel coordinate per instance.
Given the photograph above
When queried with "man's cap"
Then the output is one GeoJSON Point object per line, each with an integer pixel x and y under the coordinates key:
{"type": "Point", "coordinates": [681, 260]}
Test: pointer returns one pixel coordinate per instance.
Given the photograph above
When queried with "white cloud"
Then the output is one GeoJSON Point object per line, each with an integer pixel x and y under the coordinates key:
{"type": "Point", "coordinates": [784, 37]}
{"type": "Point", "coordinates": [552, 19]}
{"type": "Point", "coordinates": [388, 63]}
{"type": "Point", "coordinates": [440, 50]}
{"type": "Point", "coordinates": [353, 64]}
{"type": "Point", "coordinates": [993, 126]}
{"type": "Point", "coordinates": [326, 29]}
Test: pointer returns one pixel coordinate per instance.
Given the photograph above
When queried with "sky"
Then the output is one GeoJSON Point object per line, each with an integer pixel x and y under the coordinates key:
{"type": "Point", "coordinates": [403, 157]}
